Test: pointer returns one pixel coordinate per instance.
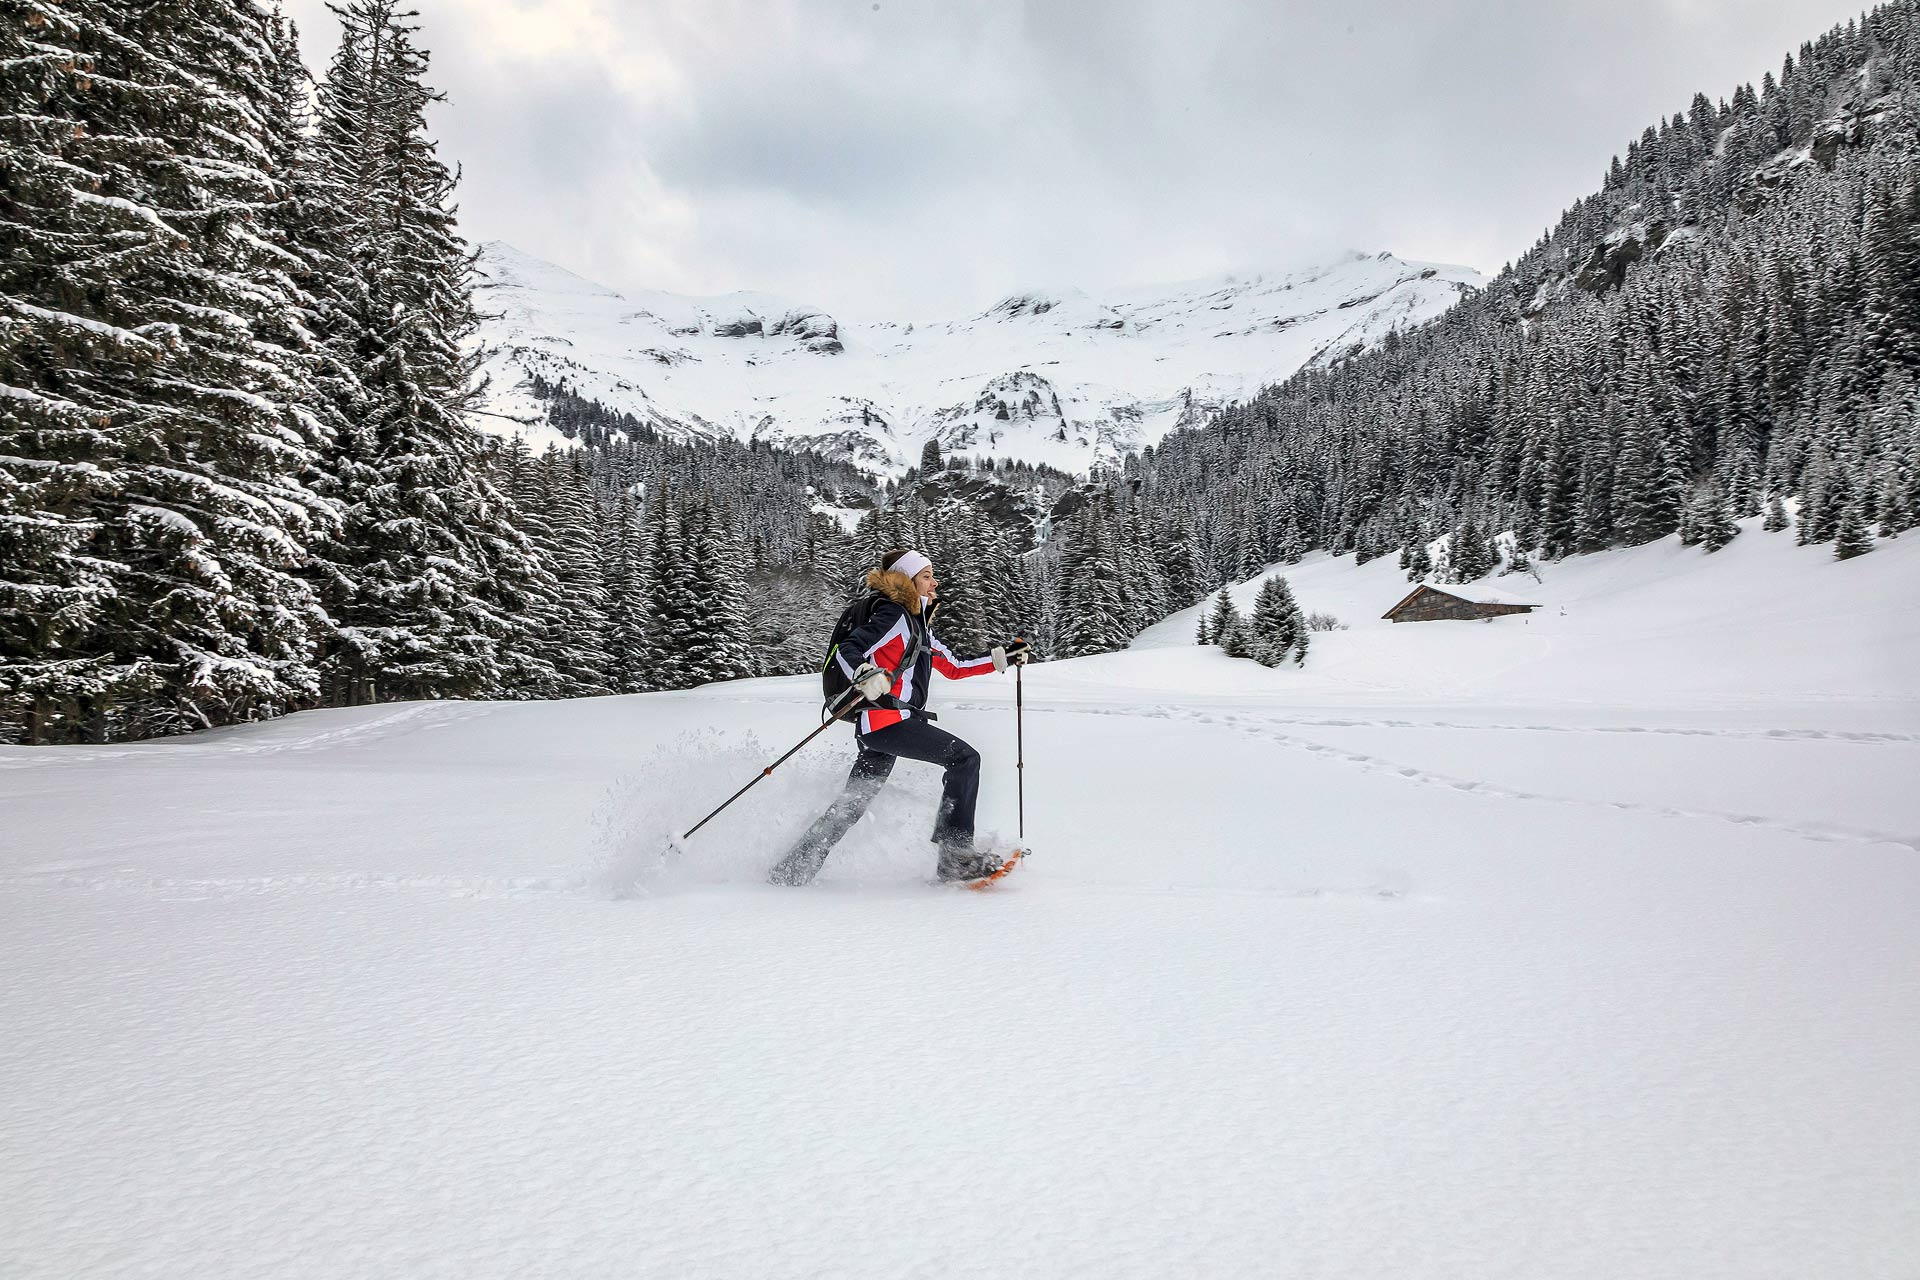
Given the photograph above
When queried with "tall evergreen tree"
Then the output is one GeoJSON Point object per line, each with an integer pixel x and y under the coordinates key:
{"type": "Point", "coordinates": [573, 515]}
{"type": "Point", "coordinates": [433, 575]}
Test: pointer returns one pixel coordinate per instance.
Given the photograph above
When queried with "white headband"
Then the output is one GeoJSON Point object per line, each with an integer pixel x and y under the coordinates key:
{"type": "Point", "coordinates": [911, 564]}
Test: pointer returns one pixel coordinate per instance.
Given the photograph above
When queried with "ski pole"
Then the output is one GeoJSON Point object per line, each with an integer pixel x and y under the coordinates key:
{"type": "Point", "coordinates": [1020, 748]}
{"type": "Point", "coordinates": [838, 712]}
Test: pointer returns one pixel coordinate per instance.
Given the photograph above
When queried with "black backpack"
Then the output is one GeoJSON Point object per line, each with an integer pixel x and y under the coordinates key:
{"type": "Point", "coordinates": [833, 681]}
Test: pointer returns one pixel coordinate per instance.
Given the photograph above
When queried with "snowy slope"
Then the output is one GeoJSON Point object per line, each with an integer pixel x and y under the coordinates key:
{"type": "Point", "coordinates": [1578, 945]}
{"type": "Point", "coordinates": [1051, 376]}
{"type": "Point", "coordinates": [1761, 619]}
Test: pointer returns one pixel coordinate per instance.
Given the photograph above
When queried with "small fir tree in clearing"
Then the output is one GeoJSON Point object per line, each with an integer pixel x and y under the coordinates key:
{"type": "Point", "coordinates": [1224, 621]}
{"type": "Point", "coordinates": [1239, 640]}
{"type": "Point", "coordinates": [1418, 563]}
{"type": "Point", "coordinates": [1776, 520]}
{"type": "Point", "coordinates": [1203, 636]}
{"type": "Point", "coordinates": [1850, 536]}
{"type": "Point", "coordinates": [1279, 626]}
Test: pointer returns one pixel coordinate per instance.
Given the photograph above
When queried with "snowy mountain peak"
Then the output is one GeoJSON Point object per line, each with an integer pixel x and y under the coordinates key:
{"type": "Point", "coordinates": [1063, 308]}
{"type": "Point", "coordinates": [1054, 375]}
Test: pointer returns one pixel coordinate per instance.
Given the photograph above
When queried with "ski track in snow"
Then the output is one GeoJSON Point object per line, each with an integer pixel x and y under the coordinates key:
{"type": "Point", "coordinates": [64, 876]}
{"type": "Point", "coordinates": [1266, 729]}
{"type": "Point", "coordinates": [413, 717]}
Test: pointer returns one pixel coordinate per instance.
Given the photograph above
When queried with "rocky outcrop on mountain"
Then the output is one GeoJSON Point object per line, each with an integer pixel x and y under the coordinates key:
{"type": "Point", "coordinates": [815, 330]}
{"type": "Point", "coordinates": [1607, 265]}
{"type": "Point", "coordinates": [1076, 309]}
{"type": "Point", "coordinates": [1016, 511]}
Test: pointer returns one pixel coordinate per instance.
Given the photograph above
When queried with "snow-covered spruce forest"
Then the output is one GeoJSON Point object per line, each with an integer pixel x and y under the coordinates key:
{"type": "Point", "coordinates": [240, 476]}
{"type": "Point", "coordinates": [1733, 320]}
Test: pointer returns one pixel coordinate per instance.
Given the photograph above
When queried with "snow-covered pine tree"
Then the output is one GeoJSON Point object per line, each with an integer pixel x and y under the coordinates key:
{"type": "Point", "coordinates": [192, 373]}
{"type": "Point", "coordinates": [58, 243]}
{"type": "Point", "coordinates": [954, 541]}
{"type": "Point", "coordinates": [1470, 556]}
{"type": "Point", "coordinates": [1223, 620]}
{"type": "Point", "coordinates": [1238, 641]}
{"type": "Point", "coordinates": [534, 667]}
{"type": "Point", "coordinates": [1278, 628]}
{"type": "Point", "coordinates": [1146, 596]}
{"type": "Point", "coordinates": [1004, 613]}
{"type": "Point", "coordinates": [622, 552]}
{"type": "Point", "coordinates": [308, 223]}
{"type": "Point", "coordinates": [435, 576]}
{"type": "Point", "coordinates": [1713, 521]}
{"type": "Point", "coordinates": [718, 648]}
{"type": "Point", "coordinates": [1851, 537]}
{"type": "Point", "coordinates": [574, 518]}
{"type": "Point", "coordinates": [1094, 618]}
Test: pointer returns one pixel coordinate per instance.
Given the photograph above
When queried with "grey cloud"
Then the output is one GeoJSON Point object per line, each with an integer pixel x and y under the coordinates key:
{"type": "Point", "coordinates": [922, 158]}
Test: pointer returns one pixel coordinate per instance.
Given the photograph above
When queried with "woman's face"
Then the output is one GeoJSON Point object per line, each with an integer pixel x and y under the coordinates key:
{"type": "Point", "coordinates": [925, 583]}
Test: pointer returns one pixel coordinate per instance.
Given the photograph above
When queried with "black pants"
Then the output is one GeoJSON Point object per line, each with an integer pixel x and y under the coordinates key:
{"type": "Point", "coordinates": [916, 740]}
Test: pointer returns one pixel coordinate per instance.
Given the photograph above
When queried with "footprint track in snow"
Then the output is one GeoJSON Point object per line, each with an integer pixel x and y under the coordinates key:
{"type": "Point", "coordinates": [1266, 728]}
{"type": "Point", "coordinates": [1167, 712]}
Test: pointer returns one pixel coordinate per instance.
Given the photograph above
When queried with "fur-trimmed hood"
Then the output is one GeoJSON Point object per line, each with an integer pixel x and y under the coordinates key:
{"type": "Point", "coordinates": [897, 587]}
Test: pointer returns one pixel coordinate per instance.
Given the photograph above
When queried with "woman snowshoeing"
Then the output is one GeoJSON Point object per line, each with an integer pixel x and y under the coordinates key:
{"type": "Point", "coordinates": [890, 657]}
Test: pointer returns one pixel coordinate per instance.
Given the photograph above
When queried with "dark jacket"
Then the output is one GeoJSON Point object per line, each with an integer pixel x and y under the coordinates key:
{"type": "Point", "coordinates": [894, 625]}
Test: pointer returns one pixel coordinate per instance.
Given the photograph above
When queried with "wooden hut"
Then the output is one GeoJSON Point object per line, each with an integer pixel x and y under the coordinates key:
{"type": "Point", "coordinates": [1430, 604]}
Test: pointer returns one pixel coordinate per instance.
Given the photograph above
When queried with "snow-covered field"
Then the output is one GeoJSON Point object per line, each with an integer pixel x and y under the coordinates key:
{"type": "Point", "coordinates": [1578, 945]}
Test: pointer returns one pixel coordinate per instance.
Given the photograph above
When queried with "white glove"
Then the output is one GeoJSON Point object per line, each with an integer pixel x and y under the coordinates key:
{"type": "Point", "coordinates": [872, 682]}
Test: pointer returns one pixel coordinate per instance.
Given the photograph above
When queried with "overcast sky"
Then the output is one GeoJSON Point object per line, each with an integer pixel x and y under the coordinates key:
{"type": "Point", "coordinates": [921, 158]}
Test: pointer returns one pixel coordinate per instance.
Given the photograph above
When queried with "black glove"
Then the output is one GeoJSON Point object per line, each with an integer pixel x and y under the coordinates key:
{"type": "Point", "coordinates": [1014, 653]}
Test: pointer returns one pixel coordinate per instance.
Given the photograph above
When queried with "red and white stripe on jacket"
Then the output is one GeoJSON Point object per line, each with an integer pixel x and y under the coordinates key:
{"type": "Point", "coordinates": [887, 653]}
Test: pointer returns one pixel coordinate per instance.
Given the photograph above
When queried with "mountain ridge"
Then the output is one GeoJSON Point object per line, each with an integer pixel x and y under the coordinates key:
{"type": "Point", "coordinates": [1052, 375]}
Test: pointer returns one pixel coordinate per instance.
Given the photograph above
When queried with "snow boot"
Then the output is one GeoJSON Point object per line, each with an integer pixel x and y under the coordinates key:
{"type": "Point", "coordinates": [964, 862]}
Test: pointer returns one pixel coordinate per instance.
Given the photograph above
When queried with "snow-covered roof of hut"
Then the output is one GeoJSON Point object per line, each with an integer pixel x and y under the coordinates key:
{"type": "Point", "coordinates": [1482, 593]}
